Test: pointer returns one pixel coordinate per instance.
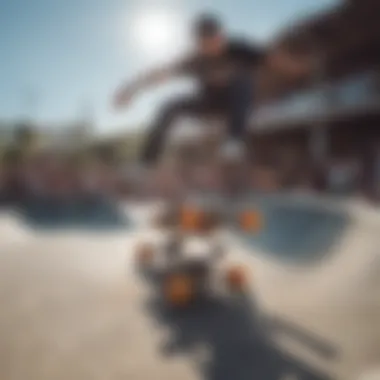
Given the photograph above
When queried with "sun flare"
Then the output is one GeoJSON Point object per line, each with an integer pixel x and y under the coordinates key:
{"type": "Point", "coordinates": [158, 33]}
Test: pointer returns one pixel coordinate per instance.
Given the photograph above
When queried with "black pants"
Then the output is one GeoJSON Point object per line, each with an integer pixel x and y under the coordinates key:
{"type": "Point", "coordinates": [234, 105]}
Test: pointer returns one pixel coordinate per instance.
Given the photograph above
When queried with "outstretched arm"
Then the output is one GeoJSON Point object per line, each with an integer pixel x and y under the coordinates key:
{"type": "Point", "coordinates": [161, 75]}
{"type": "Point", "coordinates": [288, 64]}
{"type": "Point", "coordinates": [128, 90]}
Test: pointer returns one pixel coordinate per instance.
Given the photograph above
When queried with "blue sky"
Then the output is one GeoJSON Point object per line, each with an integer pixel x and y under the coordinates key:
{"type": "Point", "coordinates": [61, 57]}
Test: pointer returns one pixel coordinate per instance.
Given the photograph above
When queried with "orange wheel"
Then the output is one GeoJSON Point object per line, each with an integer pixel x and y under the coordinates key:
{"type": "Point", "coordinates": [236, 278]}
{"type": "Point", "coordinates": [251, 221]}
{"type": "Point", "coordinates": [191, 219]}
{"type": "Point", "coordinates": [179, 290]}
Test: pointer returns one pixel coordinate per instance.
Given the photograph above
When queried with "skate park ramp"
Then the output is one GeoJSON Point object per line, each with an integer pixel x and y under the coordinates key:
{"type": "Point", "coordinates": [83, 214]}
{"type": "Point", "coordinates": [295, 229]}
{"type": "Point", "coordinates": [73, 308]}
{"type": "Point", "coordinates": [317, 266]}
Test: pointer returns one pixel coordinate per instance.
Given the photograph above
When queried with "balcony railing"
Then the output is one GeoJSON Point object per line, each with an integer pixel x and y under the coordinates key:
{"type": "Point", "coordinates": [352, 95]}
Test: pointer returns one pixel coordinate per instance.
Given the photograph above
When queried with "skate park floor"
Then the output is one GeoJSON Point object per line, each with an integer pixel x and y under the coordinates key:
{"type": "Point", "coordinates": [73, 307]}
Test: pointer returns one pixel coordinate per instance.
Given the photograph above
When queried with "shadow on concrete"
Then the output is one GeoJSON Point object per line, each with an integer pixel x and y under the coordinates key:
{"type": "Point", "coordinates": [227, 339]}
{"type": "Point", "coordinates": [315, 344]}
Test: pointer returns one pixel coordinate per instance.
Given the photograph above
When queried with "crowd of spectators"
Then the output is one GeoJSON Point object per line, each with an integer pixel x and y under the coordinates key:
{"type": "Point", "coordinates": [50, 177]}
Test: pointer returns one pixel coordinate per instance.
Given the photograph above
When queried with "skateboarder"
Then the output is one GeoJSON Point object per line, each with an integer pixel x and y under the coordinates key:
{"type": "Point", "coordinates": [225, 70]}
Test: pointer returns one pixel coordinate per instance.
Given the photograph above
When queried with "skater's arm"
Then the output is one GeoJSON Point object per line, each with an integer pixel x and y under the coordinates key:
{"type": "Point", "coordinates": [130, 89]}
{"type": "Point", "coordinates": [278, 60]}
{"type": "Point", "coordinates": [153, 78]}
{"type": "Point", "coordinates": [289, 64]}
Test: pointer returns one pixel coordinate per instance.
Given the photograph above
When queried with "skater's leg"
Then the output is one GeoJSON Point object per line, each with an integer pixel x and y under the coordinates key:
{"type": "Point", "coordinates": [159, 132]}
{"type": "Point", "coordinates": [240, 101]}
{"type": "Point", "coordinates": [240, 106]}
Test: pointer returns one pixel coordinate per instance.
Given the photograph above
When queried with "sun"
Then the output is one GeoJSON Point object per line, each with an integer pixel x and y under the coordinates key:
{"type": "Point", "coordinates": [157, 33]}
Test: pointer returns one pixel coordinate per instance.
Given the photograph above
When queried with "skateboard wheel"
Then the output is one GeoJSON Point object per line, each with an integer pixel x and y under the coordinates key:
{"type": "Point", "coordinates": [250, 221]}
{"type": "Point", "coordinates": [179, 290]}
{"type": "Point", "coordinates": [191, 219]}
{"type": "Point", "coordinates": [236, 279]}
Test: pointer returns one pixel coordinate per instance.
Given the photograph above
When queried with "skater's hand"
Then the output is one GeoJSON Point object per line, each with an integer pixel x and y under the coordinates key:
{"type": "Point", "coordinates": [123, 97]}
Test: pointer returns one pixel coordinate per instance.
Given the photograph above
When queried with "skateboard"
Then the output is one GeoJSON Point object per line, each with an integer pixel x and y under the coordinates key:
{"type": "Point", "coordinates": [192, 263]}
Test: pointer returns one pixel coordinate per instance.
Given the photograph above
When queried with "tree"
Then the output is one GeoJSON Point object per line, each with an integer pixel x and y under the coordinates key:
{"type": "Point", "coordinates": [130, 146]}
{"type": "Point", "coordinates": [26, 138]}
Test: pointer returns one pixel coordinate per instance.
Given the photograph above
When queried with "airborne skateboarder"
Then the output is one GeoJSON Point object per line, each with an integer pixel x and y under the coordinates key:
{"type": "Point", "coordinates": [224, 68]}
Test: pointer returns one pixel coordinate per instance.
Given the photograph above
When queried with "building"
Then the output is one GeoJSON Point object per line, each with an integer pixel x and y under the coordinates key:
{"type": "Point", "coordinates": [334, 113]}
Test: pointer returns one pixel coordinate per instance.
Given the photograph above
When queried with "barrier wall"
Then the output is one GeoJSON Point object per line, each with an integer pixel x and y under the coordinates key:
{"type": "Point", "coordinates": [87, 213]}
{"type": "Point", "coordinates": [296, 230]}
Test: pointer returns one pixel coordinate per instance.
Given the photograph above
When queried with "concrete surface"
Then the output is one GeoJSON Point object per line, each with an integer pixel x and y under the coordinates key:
{"type": "Point", "coordinates": [73, 307]}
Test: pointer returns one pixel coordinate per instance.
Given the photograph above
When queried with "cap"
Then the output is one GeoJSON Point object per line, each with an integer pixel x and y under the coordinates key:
{"type": "Point", "coordinates": [207, 25]}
